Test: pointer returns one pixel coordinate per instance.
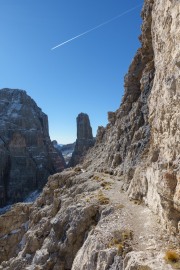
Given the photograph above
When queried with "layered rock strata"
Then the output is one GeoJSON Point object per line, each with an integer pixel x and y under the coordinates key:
{"type": "Point", "coordinates": [84, 140]}
{"type": "Point", "coordinates": [27, 156]}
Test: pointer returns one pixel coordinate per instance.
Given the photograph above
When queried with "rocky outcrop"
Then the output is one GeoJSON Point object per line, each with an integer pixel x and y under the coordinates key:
{"type": "Point", "coordinates": [84, 140]}
{"type": "Point", "coordinates": [58, 224]}
{"type": "Point", "coordinates": [14, 225]}
{"type": "Point", "coordinates": [82, 221]}
{"type": "Point", "coordinates": [27, 156]}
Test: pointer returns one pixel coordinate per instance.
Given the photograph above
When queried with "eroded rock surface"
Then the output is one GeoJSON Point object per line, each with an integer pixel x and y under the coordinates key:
{"type": "Point", "coordinates": [13, 225]}
{"type": "Point", "coordinates": [83, 220]}
{"type": "Point", "coordinates": [27, 156]}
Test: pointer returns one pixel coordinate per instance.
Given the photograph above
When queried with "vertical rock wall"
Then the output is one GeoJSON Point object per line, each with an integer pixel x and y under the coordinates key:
{"type": "Point", "coordinates": [141, 141]}
{"type": "Point", "coordinates": [161, 169]}
{"type": "Point", "coordinates": [126, 138]}
{"type": "Point", "coordinates": [27, 156]}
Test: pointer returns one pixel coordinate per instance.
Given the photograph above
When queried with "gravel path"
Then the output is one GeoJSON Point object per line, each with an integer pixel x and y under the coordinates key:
{"type": "Point", "coordinates": [147, 231]}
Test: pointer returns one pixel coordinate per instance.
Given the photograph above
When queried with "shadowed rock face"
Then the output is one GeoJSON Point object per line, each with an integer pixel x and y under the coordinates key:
{"type": "Point", "coordinates": [65, 149]}
{"type": "Point", "coordinates": [84, 130]}
{"type": "Point", "coordinates": [84, 140]}
{"type": "Point", "coordinates": [27, 156]}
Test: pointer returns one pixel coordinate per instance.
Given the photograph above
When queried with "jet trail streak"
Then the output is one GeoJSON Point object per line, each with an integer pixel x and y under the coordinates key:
{"type": "Point", "coordinates": [96, 27]}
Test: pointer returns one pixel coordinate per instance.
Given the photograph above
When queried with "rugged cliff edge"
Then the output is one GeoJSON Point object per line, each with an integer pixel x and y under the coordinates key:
{"type": "Point", "coordinates": [27, 156]}
{"type": "Point", "coordinates": [84, 219]}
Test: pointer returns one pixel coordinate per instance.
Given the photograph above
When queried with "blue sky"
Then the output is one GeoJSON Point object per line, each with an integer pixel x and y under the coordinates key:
{"type": "Point", "coordinates": [85, 75]}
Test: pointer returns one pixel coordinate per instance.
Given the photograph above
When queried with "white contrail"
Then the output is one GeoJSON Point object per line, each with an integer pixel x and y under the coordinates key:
{"type": "Point", "coordinates": [96, 27]}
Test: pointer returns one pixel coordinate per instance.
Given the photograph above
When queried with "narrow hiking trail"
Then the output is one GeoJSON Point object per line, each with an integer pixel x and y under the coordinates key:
{"type": "Point", "coordinates": [145, 225]}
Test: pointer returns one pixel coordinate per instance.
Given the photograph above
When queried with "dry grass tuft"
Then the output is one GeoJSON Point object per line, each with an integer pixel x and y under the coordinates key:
{"type": "Point", "coordinates": [127, 234]}
{"type": "Point", "coordinates": [77, 169]}
{"type": "Point", "coordinates": [118, 244]}
{"type": "Point", "coordinates": [106, 185]}
{"type": "Point", "coordinates": [172, 256]}
{"type": "Point", "coordinates": [138, 202]}
{"type": "Point", "coordinates": [120, 249]}
{"type": "Point", "coordinates": [121, 241]}
{"type": "Point", "coordinates": [89, 198]}
{"type": "Point", "coordinates": [120, 206]}
{"type": "Point", "coordinates": [97, 178]}
{"type": "Point", "coordinates": [102, 198]}
{"type": "Point", "coordinates": [170, 176]}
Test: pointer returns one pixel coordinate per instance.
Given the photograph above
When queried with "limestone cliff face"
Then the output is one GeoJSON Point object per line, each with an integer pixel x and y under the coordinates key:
{"type": "Point", "coordinates": [162, 168]}
{"type": "Point", "coordinates": [122, 143]}
{"type": "Point", "coordinates": [27, 156]}
{"type": "Point", "coordinates": [84, 220]}
{"type": "Point", "coordinates": [141, 141]}
{"type": "Point", "coordinates": [84, 140]}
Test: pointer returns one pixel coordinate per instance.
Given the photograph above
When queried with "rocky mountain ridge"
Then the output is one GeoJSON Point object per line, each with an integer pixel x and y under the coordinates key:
{"type": "Point", "coordinates": [66, 150]}
{"type": "Point", "coordinates": [84, 219]}
{"type": "Point", "coordinates": [27, 156]}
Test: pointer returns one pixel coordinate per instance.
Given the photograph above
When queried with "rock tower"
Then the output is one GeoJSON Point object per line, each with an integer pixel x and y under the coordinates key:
{"type": "Point", "coordinates": [84, 140]}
